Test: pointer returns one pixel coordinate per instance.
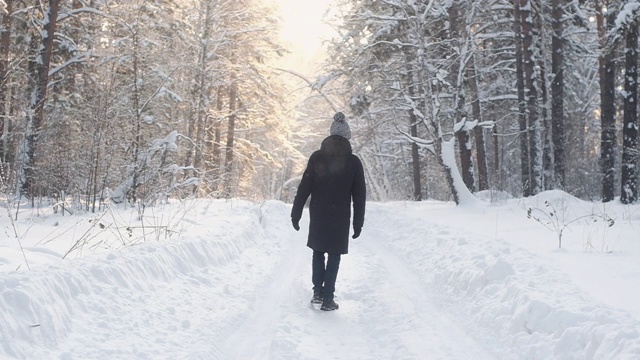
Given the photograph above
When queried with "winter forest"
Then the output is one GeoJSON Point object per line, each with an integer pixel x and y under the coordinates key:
{"type": "Point", "coordinates": [139, 100]}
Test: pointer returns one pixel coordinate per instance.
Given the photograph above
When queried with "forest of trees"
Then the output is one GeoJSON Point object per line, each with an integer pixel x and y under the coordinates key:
{"type": "Point", "coordinates": [528, 92]}
{"type": "Point", "coordinates": [139, 100]}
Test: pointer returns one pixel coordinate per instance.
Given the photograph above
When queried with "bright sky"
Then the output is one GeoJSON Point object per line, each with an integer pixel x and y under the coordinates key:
{"type": "Point", "coordinates": [303, 29]}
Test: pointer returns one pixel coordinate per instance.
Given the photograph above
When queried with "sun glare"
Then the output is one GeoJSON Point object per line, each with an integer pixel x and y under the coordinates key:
{"type": "Point", "coordinates": [303, 29]}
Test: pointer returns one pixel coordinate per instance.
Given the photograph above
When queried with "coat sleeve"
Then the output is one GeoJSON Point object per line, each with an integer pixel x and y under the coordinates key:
{"type": "Point", "coordinates": [304, 190]}
{"type": "Point", "coordinates": [359, 195]}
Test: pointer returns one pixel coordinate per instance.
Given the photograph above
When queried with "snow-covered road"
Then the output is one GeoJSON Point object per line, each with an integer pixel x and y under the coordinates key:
{"type": "Point", "coordinates": [237, 286]}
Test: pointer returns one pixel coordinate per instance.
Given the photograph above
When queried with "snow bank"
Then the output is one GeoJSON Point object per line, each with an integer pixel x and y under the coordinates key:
{"type": "Point", "coordinates": [511, 299]}
{"type": "Point", "coordinates": [39, 307]}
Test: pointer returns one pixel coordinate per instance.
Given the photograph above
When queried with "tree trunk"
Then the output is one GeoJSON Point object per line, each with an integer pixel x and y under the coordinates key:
{"type": "Point", "coordinates": [5, 43]}
{"type": "Point", "coordinates": [607, 71]}
{"type": "Point", "coordinates": [445, 152]}
{"type": "Point", "coordinates": [478, 131]}
{"type": "Point", "coordinates": [413, 128]}
{"type": "Point", "coordinates": [216, 154]}
{"type": "Point", "coordinates": [557, 93]}
{"type": "Point", "coordinates": [36, 116]}
{"type": "Point", "coordinates": [525, 169]}
{"type": "Point", "coordinates": [629, 191]}
{"type": "Point", "coordinates": [457, 21]}
{"type": "Point", "coordinates": [203, 87]}
{"type": "Point", "coordinates": [415, 159]}
{"type": "Point", "coordinates": [529, 66]}
{"type": "Point", "coordinates": [547, 176]}
{"type": "Point", "coordinates": [137, 120]}
{"type": "Point", "coordinates": [228, 163]}
{"type": "Point", "coordinates": [411, 80]}
{"type": "Point", "coordinates": [497, 181]}
{"type": "Point", "coordinates": [464, 143]}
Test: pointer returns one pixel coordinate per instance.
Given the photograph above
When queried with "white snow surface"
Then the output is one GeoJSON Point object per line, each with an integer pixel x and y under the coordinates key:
{"type": "Point", "coordinates": [231, 279]}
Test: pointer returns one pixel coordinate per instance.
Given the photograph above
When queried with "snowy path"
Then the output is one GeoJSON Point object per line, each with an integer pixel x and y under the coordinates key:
{"type": "Point", "coordinates": [237, 286]}
{"type": "Point", "coordinates": [385, 313]}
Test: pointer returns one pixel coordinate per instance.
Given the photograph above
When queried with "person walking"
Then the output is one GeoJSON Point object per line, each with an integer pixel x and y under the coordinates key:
{"type": "Point", "coordinates": [333, 178]}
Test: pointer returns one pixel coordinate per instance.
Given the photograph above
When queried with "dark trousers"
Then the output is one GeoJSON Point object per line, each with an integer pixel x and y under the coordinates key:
{"type": "Point", "coordinates": [324, 277]}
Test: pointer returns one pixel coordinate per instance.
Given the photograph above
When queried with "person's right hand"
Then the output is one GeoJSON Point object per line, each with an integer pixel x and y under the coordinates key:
{"type": "Point", "coordinates": [296, 224]}
{"type": "Point", "coordinates": [356, 232]}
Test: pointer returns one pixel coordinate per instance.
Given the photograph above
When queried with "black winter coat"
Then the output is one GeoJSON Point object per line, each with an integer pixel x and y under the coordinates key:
{"type": "Point", "coordinates": [333, 177]}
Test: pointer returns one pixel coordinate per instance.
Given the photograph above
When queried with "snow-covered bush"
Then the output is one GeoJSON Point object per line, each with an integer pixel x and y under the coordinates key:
{"type": "Point", "coordinates": [153, 177]}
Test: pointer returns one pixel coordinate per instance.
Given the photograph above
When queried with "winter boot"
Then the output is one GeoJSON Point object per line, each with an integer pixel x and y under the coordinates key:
{"type": "Point", "coordinates": [329, 305]}
{"type": "Point", "coordinates": [317, 296]}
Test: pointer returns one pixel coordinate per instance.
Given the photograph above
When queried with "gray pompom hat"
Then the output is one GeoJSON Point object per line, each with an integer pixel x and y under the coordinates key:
{"type": "Point", "coordinates": [340, 126]}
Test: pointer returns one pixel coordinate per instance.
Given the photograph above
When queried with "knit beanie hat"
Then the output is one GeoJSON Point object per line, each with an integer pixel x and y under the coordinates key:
{"type": "Point", "coordinates": [340, 126]}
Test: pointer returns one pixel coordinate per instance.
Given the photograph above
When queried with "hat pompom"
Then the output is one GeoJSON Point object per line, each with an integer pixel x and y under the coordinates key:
{"type": "Point", "coordinates": [340, 126]}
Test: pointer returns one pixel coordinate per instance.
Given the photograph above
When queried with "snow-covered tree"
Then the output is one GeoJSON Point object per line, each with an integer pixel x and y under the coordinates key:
{"type": "Point", "coordinates": [411, 60]}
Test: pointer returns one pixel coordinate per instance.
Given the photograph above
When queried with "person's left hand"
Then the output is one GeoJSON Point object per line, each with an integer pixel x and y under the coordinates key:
{"type": "Point", "coordinates": [356, 232]}
{"type": "Point", "coordinates": [296, 224]}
